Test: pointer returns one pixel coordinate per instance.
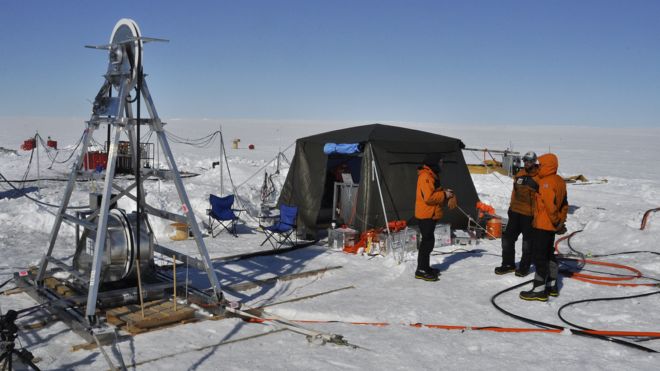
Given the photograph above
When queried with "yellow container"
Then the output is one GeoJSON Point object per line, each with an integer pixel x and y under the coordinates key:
{"type": "Point", "coordinates": [181, 231]}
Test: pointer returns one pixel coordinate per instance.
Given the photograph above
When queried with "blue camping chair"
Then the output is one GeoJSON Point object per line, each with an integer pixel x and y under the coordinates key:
{"type": "Point", "coordinates": [222, 214]}
{"type": "Point", "coordinates": [281, 230]}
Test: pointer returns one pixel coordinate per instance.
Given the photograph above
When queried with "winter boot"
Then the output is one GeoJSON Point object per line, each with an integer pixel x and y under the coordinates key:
{"type": "Point", "coordinates": [426, 275]}
{"type": "Point", "coordinates": [504, 269]}
{"type": "Point", "coordinates": [435, 271]}
{"type": "Point", "coordinates": [536, 293]}
{"type": "Point", "coordinates": [522, 272]}
{"type": "Point", "coordinates": [551, 289]}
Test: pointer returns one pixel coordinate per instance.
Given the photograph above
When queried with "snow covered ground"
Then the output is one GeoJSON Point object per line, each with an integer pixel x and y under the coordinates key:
{"type": "Point", "coordinates": [373, 290]}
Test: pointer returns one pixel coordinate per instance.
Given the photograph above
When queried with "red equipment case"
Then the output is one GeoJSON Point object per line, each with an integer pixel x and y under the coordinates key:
{"type": "Point", "coordinates": [94, 159]}
{"type": "Point", "coordinates": [29, 144]}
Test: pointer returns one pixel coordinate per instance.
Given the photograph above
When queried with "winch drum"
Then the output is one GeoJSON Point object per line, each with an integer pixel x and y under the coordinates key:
{"type": "Point", "coordinates": [121, 253]}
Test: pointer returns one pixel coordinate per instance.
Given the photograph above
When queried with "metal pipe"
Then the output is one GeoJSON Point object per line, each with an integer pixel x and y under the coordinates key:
{"type": "Point", "coordinates": [380, 191]}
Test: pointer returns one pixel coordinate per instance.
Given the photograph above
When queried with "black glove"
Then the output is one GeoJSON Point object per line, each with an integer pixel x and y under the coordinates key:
{"type": "Point", "coordinates": [561, 229]}
{"type": "Point", "coordinates": [529, 182]}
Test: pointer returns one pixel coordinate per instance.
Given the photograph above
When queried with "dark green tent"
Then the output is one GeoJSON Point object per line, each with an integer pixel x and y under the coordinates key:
{"type": "Point", "coordinates": [397, 153]}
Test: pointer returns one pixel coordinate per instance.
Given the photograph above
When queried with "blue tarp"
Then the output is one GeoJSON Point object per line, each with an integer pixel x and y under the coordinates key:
{"type": "Point", "coordinates": [341, 148]}
{"type": "Point", "coordinates": [16, 193]}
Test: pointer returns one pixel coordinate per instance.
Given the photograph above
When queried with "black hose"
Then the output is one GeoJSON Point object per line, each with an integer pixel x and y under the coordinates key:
{"type": "Point", "coordinates": [583, 257]}
{"type": "Point", "coordinates": [6, 282]}
{"type": "Point", "coordinates": [568, 241]}
{"type": "Point", "coordinates": [598, 299]}
{"type": "Point", "coordinates": [41, 202]}
{"type": "Point", "coordinates": [578, 253]}
{"type": "Point", "coordinates": [202, 142]}
{"type": "Point", "coordinates": [48, 150]}
{"type": "Point", "coordinates": [549, 325]}
{"type": "Point", "coordinates": [626, 252]}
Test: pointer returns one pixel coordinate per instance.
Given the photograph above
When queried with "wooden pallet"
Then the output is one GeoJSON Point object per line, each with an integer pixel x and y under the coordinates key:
{"type": "Point", "coordinates": [157, 314]}
{"type": "Point", "coordinates": [58, 286]}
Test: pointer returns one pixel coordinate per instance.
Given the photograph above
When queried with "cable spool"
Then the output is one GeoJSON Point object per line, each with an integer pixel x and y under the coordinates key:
{"type": "Point", "coordinates": [120, 253]}
{"type": "Point", "coordinates": [494, 228]}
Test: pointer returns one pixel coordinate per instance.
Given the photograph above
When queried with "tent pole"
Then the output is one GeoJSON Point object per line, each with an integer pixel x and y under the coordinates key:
{"type": "Point", "coordinates": [380, 191]}
{"type": "Point", "coordinates": [222, 159]}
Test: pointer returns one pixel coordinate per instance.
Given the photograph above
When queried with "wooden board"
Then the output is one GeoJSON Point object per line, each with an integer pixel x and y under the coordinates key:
{"type": "Point", "coordinates": [157, 314]}
{"type": "Point", "coordinates": [58, 286]}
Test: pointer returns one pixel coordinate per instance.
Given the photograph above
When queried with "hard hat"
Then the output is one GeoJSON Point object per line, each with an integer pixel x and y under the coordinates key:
{"type": "Point", "coordinates": [529, 157]}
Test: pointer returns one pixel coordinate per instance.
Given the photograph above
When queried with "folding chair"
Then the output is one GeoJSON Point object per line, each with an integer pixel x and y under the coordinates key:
{"type": "Point", "coordinates": [222, 214]}
{"type": "Point", "coordinates": [280, 232]}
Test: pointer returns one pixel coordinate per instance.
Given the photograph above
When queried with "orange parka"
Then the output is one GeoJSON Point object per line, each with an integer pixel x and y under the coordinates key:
{"type": "Point", "coordinates": [429, 199]}
{"type": "Point", "coordinates": [551, 206]}
{"type": "Point", "coordinates": [525, 186]}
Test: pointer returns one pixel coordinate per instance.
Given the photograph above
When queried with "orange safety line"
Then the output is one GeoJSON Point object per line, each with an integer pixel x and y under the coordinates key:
{"type": "Point", "coordinates": [638, 274]}
{"type": "Point", "coordinates": [518, 330]}
{"type": "Point", "coordinates": [443, 327]}
{"type": "Point", "coordinates": [468, 328]}
{"type": "Point", "coordinates": [598, 280]}
{"type": "Point", "coordinates": [378, 324]}
{"type": "Point", "coordinates": [493, 329]}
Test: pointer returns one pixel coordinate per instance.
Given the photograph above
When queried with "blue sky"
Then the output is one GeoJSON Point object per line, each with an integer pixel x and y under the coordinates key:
{"type": "Point", "coordinates": [594, 63]}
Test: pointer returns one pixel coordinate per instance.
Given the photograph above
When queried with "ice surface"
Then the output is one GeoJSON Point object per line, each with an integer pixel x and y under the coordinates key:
{"type": "Point", "coordinates": [382, 291]}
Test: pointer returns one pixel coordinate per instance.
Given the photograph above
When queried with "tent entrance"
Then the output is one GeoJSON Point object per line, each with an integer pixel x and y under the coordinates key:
{"type": "Point", "coordinates": [339, 199]}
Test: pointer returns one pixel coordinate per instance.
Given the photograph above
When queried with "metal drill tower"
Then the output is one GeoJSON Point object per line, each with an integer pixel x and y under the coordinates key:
{"type": "Point", "coordinates": [121, 112]}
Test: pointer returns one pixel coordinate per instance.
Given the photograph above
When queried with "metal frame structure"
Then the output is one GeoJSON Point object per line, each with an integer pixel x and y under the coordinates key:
{"type": "Point", "coordinates": [124, 75]}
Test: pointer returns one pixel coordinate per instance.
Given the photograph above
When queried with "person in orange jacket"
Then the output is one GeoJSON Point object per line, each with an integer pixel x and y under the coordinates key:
{"type": "Point", "coordinates": [520, 213]}
{"type": "Point", "coordinates": [550, 211]}
{"type": "Point", "coordinates": [429, 199]}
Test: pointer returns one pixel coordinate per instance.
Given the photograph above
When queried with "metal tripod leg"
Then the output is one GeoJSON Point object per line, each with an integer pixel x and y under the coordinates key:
{"type": "Point", "coordinates": [102, 225]}
{"type": "Point", "coordinates": [183, 196]}
{"type": "Point", "coordinates": [87, 135]}
{"type": "Point", "coordinates": [101, 229]}
{"type": "Point", "coordinates": [188, 210]}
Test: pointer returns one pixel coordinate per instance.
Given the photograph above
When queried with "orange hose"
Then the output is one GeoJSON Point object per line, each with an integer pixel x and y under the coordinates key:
{"type": "Point", "coordinates": [638, 274]}
{"type": "Point", "coordinates": [598, 280]}
{"type": "Point", "coordinates": [469, 328]}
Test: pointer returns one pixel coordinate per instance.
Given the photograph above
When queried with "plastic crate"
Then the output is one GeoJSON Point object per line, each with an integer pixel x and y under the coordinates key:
{"type": "Point", "coordinates": [341, 237]}
{"type": "Point", "coordinates": [442, 235]}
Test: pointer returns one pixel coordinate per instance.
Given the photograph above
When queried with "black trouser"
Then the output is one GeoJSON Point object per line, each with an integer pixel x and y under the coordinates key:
{"type": "Point", "coordinates": [517, 224]}
{"type": "Point", "coordinates": [544, 256]}
{"type": "Point", "coordinates": [427, 229]}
